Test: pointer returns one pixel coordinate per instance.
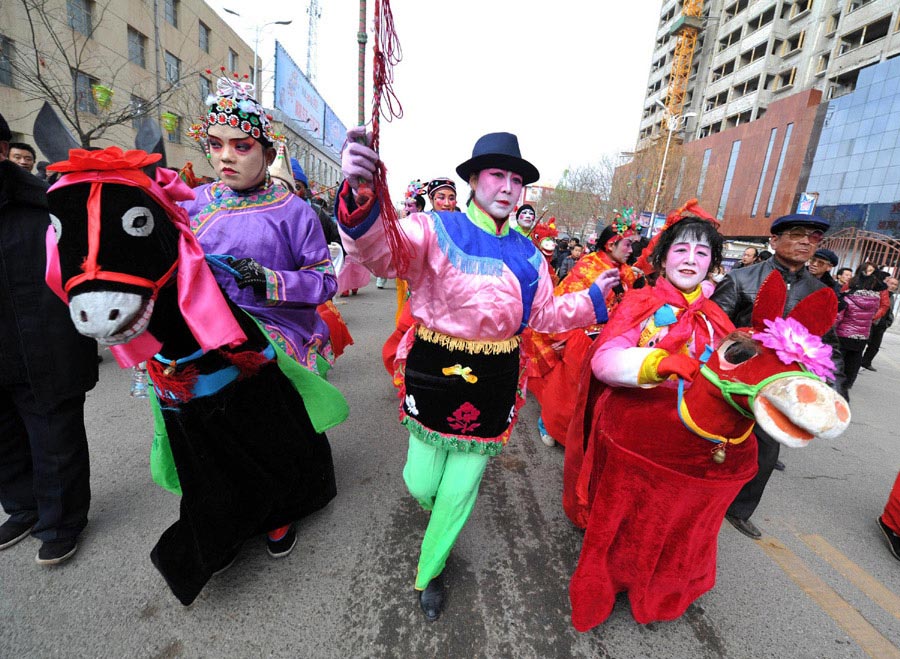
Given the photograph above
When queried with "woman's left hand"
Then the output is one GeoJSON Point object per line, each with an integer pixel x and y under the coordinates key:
{"type": "Point", "coordinates": [252, 274]}
{"type": "Point", "coordinates": [606, 281]}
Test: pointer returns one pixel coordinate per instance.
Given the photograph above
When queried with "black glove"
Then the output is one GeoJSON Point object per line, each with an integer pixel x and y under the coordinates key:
{"type": "Point", "coordinates": [251, 274]}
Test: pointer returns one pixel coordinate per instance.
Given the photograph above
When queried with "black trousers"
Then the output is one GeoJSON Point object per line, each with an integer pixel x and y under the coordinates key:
{"type": "Point", "coordinates": [44, 467]}
{"type": "Point", "coordinates": [747, 500]}
{"type": "Point", "coordinates": [874, 344]}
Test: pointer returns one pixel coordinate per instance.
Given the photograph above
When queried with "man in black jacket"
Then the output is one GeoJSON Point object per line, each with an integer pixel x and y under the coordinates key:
{"type": "Point", "coordinates": [45, 369]}
{"type": "Point", "coordinates": [794, 239]}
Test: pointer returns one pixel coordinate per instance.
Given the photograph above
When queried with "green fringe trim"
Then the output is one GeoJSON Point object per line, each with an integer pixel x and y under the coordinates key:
{"type": "Point", "coordinates": [450, 442]}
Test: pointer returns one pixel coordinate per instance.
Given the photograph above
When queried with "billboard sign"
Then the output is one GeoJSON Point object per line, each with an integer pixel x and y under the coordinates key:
{"type": "Point", "coordinates": [335, 131]}
{"type": "Point", "coordinates": [807, 203]}
{"type": "Point", "coordinates": [296, 96]}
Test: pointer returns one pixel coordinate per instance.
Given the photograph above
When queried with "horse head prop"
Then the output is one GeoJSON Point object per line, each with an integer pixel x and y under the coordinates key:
{"type": "Point", "coordinates": [772, 376]}
{"type": "Point", "coordinates": [119, 242]}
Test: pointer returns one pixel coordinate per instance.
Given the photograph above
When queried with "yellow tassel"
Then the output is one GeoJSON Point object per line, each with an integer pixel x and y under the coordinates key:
{"type": "Point", "coordinates": [467, 345]}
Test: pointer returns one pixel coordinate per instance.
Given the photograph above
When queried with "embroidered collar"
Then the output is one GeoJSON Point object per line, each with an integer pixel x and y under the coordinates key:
{"type": "Point", "coordinates": [484, 221]}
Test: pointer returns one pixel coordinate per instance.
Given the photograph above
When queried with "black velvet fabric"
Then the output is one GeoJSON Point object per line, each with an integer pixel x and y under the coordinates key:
{"type": "Point", "coordinates": [438, 397]}
{"type": "Point", "coordinates": [241, 474]}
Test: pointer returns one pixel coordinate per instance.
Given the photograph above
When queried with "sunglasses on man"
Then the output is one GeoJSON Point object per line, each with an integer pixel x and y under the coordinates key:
{"type": "Point", "coordinates": [798, 233]}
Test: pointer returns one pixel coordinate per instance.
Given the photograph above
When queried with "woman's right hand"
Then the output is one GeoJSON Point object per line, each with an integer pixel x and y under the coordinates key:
{"type": "Point", "coordinates": [358, 160]}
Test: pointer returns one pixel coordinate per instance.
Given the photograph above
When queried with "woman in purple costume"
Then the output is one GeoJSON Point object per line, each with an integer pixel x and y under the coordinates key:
{"type": "Point", "coordinates": [282, 266]}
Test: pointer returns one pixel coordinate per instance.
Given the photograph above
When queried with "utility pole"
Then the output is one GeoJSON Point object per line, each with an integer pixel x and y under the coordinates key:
{"type": "Point", "coordinates": [312, 40]}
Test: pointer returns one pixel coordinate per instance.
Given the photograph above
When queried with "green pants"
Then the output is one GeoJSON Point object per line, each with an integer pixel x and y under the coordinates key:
{"type": "Point", "coordinates": [446, 483]}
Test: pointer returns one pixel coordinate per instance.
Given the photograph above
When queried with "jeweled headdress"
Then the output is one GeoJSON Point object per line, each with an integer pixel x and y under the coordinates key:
{"type": "Point", "coordinates": [234, 105]}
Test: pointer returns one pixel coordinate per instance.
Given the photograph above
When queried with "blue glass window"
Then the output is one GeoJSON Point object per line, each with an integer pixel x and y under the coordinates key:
{"type": "Point", "coordinates": [765, 169]}
{"type": "Point", "coordinates": [703, 168]}
{"type": "Point", "coordinates": [729, 175]}
{"type": "Point", "coordinates": [784, 149]}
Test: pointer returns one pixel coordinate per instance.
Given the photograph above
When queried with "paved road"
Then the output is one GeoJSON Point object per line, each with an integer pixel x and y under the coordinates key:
{"type": "Point", "coordinates": [820, 584]}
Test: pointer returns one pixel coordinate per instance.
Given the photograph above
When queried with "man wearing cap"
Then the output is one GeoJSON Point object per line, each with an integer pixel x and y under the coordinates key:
{"type": "Point", "coordinates": [474, 287]}
{"type": "Point", "coordinates": [45, 369]}
{"type": "Point", "coordinates": [793, 241]}
{"type": "Point", "coordinates": [820, 266]}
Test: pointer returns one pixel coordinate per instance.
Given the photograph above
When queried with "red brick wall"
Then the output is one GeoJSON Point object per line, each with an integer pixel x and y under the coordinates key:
{"type": "Point", "coordinates": [799, 109]}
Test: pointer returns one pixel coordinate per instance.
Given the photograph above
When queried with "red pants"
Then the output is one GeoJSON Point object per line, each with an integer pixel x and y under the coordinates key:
{"type": "Point", "coordinates": [891, 515]}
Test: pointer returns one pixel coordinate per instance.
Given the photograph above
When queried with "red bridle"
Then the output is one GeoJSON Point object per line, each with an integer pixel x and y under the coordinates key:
{"type": "Point", "coordinates": [92, 270]}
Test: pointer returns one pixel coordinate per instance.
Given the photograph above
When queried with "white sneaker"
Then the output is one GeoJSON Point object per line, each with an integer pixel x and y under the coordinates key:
{"type": "Point", "coordinates": [548, 440]}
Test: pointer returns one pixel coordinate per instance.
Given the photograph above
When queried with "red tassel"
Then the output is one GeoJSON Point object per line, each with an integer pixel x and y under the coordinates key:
{"type": "Point", "coordinates": [386, 54]}
{"type": "Point", "coordinates": [178, 387]}
{"type": "Point", "coordinates": [247, 361]}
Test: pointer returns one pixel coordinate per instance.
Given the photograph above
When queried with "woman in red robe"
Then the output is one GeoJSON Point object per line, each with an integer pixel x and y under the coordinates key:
{"type": "Point", "coordinates": [647, 494]}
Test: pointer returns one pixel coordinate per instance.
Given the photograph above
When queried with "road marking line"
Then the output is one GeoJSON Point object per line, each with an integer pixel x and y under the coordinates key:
{"type": "Point", "coordinates": [871, 587]}
{"type": "Point", "coordinates": [849, 619]}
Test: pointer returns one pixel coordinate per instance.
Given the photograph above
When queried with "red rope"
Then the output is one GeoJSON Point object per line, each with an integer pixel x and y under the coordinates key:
{"type": "Point", "coordinates": [386, 55]}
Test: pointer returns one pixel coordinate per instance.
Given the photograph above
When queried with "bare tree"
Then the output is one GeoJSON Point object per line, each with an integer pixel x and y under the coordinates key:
{"type": "Point", "coordinates": [635, 182]}
{"type": "Point", "coordinates": [580, 197]}
{"type": "Point", "coordinates": [63, 64]}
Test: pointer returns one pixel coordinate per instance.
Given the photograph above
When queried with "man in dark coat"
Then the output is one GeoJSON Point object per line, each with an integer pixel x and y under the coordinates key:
{"type": "Point", "coordinates": [794, 239]}
{"type": "Point", "coordinates": [45, 369]}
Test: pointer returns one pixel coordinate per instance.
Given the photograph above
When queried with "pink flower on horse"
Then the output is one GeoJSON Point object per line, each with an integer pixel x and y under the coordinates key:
{"type": "Point", "coordinates": [463, 418]}
{"type": "Point", "coordinates": [792, 342]}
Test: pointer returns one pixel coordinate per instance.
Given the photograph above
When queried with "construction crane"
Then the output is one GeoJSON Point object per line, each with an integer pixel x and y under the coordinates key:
{"type": "Point", "coordinates": [312, 40]}
{"type": "Point", "coordinates": [687, 28]}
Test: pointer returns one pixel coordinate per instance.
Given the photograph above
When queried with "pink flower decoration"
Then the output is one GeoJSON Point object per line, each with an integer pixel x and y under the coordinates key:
{"type": "Point", "coordinates": [792, 342]}
{"type": "Point", "coordinates": [463, 418]}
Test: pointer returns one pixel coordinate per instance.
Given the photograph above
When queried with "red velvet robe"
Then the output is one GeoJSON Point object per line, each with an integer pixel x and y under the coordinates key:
{"type": "Point", "coordinates": [646, 488]}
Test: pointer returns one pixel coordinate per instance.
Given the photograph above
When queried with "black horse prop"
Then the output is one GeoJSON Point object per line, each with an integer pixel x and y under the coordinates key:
{"type": "Point", "coordinates": [248, 448]}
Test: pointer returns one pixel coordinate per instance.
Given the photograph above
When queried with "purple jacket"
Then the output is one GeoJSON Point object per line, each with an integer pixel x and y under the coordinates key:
{"type": "Point", "coordinates": [855, 321]}
{"type": "Point", "coordinates": [284, 235]}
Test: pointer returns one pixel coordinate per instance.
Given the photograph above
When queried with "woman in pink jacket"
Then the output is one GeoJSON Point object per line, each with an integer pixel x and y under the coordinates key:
{"type": "Point", "coordinates": [862, 299]}
{"type": "Point", "coordinates": [474, 286]}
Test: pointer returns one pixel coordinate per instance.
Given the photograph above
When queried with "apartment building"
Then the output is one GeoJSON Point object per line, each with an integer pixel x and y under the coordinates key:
{"type": "Point", "coordinates": [152, 55]}
{"type": "Point", "coordinates": [751, 53]}
{"type": "Point", "coordinates": [763, 77]}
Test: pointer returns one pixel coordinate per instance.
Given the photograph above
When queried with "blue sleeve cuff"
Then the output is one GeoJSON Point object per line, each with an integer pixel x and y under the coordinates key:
{"type": "Point", "coordinates": [361, 228]}
{"type": "Point", "coordinates": [599, 303]}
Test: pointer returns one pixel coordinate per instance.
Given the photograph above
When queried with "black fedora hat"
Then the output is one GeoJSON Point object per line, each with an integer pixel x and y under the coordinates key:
{"type": "Point", "coordinates": [500, 150]}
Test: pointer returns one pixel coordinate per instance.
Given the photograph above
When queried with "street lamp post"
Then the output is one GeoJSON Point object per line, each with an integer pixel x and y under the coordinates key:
{"type": "Point", "coordinates": [259, 29]}
{"type": "Point", "coordinates": [673, 122]}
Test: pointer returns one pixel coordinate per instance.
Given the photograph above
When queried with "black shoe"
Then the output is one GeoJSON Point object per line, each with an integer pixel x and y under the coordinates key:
{"type": "Point", "coordinates": [11, 532]}
{"type": "Point", "coordinates": [284, 546]}
{"type": "Point", "coordinates": [54, 552]}
{"type": "Point", "coordinates": [431, 600]}
{"type": "Point", "coordinates": [869, 367]}
{"type": "Point", "coordinates": [228, 562]}
{"type": "Point", "coordinates": [745, 526]}
{"type": "Point", "coordinates": [779, 465]}
{"type": "Point", "coordinates": [892, 538]}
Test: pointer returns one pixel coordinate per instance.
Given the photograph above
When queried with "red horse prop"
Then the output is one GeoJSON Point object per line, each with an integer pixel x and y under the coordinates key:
{"type": "Point", "coordinates": [661, 466]}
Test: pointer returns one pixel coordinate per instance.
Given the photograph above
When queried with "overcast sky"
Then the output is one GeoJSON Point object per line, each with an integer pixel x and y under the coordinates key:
{"type": "Point", "coordinates": [568, 76]}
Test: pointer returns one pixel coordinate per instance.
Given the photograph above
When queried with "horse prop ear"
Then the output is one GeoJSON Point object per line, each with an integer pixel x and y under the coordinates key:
{"type": "Point", "coordinates": [770, 299]}
{"type": "Point", "coordinates": [149, 138]}
{"type": "Point", "coordinates": [51, 135]}
{"type": "Point", "coordinates": [817, 311]}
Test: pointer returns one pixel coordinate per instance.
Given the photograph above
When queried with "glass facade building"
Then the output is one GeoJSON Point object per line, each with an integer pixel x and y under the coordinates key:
{"type": "Point", "coordinates": [856, 168]}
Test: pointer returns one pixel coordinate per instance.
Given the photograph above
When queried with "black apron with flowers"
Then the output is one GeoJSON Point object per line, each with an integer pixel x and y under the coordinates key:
{"type": "Point", "coordinates": [456, 392]}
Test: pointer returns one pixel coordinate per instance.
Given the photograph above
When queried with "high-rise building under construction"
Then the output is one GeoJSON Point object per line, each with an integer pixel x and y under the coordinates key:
{"type": "Point", "coordinates": [750, 83]}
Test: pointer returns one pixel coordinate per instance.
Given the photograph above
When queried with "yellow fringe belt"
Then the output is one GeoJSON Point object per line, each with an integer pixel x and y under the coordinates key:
{"type": "Point", "coordinates": [467, 345]}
